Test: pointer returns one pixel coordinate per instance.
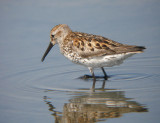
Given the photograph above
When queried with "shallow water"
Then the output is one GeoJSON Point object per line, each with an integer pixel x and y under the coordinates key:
{"type": "Point", "coordinates": [32, 91]}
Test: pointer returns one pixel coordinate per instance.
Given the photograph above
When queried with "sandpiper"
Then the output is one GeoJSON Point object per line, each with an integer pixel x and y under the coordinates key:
{"type": "Point", "coordinates": [92, 51]}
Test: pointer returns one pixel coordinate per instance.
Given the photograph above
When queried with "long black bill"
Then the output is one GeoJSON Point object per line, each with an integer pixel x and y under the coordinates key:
{"type": "Point", "coordinates": [47, 51]}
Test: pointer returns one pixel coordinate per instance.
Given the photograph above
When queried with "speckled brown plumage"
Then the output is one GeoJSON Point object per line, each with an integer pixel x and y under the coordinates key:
{"type": "Point", "coordinates": [89, 45]}
{"type": "Point", "coordinates": [90, 50]}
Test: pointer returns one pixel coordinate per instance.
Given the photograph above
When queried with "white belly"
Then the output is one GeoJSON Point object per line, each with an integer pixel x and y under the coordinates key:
{"type": "Point", "coordinates": [105, 61]}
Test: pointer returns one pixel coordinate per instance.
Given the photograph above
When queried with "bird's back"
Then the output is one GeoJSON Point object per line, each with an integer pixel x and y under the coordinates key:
{"type": "Point", "coordinates": [88, 45]}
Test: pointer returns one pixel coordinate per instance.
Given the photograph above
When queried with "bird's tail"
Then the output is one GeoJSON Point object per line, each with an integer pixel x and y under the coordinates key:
{"type": "Point", "coordinates": [137, 49]}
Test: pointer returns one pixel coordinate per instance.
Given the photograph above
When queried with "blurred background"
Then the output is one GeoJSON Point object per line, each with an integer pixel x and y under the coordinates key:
{"type": "Point", "coordinates": [25, 81]}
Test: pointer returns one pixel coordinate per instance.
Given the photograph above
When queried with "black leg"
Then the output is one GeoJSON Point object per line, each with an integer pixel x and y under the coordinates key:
{"type": "Point", "coordinates": [105, 75]}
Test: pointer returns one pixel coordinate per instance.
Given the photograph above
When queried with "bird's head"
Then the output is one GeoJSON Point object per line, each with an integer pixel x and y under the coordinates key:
{"type": "Point", "coordinates": [57, 35]}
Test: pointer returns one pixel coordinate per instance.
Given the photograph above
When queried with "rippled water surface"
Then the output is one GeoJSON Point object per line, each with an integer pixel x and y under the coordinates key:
{"type": "Point", "coordinates": [52, 91]}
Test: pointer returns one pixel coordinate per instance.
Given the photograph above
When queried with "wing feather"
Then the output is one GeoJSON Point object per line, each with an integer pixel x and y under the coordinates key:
{"type": "Point", "coordinates": [88, 45]}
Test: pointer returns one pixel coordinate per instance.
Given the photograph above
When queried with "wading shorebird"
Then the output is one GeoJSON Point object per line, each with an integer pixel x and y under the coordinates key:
{"type": "Point", "coordinates": [92, 51]}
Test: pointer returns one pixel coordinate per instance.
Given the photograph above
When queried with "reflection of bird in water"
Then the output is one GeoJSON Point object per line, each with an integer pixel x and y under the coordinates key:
{"type": "Point", "coordinates": [99, 106]}
{"type": "Point", "coordinates": [89, 50]}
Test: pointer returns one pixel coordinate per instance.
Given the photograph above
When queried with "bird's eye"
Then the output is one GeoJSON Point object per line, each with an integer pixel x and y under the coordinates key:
{"type": "Point", "coordinates": [52, 36]}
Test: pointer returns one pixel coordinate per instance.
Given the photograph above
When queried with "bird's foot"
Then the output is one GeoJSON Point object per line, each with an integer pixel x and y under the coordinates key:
{"type": "Point", "coordinates": [86, 77]}
{"type": "Point", "coordinates": [96, 77]}
{"type": "Point", "coordinates": [106, 77]}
